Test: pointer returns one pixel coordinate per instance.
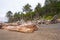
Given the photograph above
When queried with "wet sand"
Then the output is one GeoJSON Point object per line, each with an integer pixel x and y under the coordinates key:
{"type": "Point", "coordinates": [45, 32]}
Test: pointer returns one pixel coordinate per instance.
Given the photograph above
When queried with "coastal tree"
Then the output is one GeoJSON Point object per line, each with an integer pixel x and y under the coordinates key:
{"type": "Point", "coordinates": [27, 8]}
{"type": "Point", "coordinates": [9, 16]}
{"type": "Point", "coordinates": [38, 10]}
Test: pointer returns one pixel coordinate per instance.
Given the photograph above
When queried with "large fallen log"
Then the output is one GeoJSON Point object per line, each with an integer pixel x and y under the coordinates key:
{"type": "Point", "coordinates": [11, 28]}
{"type": "Point", "coordinates": [27, 27]}
{"type": "Point", "coordinates": [10, 24]}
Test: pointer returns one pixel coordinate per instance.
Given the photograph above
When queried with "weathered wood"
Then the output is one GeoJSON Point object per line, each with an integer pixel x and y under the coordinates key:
{"type": "Point", "coordinates": [26, 27]}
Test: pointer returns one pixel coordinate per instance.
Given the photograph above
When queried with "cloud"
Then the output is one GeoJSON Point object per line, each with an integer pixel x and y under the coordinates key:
{"type": "Point", "coordinates": [16, 5]}
{"type": "Point", "coordinates": [3, 19]}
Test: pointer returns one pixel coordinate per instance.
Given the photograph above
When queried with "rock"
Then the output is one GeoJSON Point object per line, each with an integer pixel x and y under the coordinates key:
{"type": "Point", "coordinates": [0, 25]}
{"type": "Point", "coordinates": [58, 20]}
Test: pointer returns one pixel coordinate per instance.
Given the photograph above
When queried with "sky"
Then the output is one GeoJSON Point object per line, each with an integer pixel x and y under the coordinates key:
{"type": "Point", "coordinates": [15, 6]}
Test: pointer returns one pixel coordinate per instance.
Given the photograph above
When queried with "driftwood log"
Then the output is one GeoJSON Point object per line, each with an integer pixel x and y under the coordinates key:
{"type": "Point", "coordinates": [21, 28]}
{"type": "Point", "coordinates": [27, 28]}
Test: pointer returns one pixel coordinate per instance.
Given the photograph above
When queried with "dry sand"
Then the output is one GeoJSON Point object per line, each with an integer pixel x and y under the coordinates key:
{"type": "Point", "coordinates": [45, 32]}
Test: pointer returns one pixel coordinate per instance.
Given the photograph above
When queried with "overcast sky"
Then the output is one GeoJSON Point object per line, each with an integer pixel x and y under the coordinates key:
{"type": "Point", "coordinates": [16, 5]}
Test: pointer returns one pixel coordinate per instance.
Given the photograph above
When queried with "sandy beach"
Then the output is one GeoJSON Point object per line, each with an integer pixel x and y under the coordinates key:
{"type": "Point", "coordinates": [45, 32]}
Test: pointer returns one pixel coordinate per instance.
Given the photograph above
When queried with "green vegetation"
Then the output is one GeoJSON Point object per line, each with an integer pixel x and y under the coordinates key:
{"type": "Point", "coordinates": [51, 8]}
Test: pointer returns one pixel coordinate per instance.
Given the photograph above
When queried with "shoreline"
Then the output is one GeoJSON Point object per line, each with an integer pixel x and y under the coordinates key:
{"type": "Point", "coordinates": [44, 33]}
